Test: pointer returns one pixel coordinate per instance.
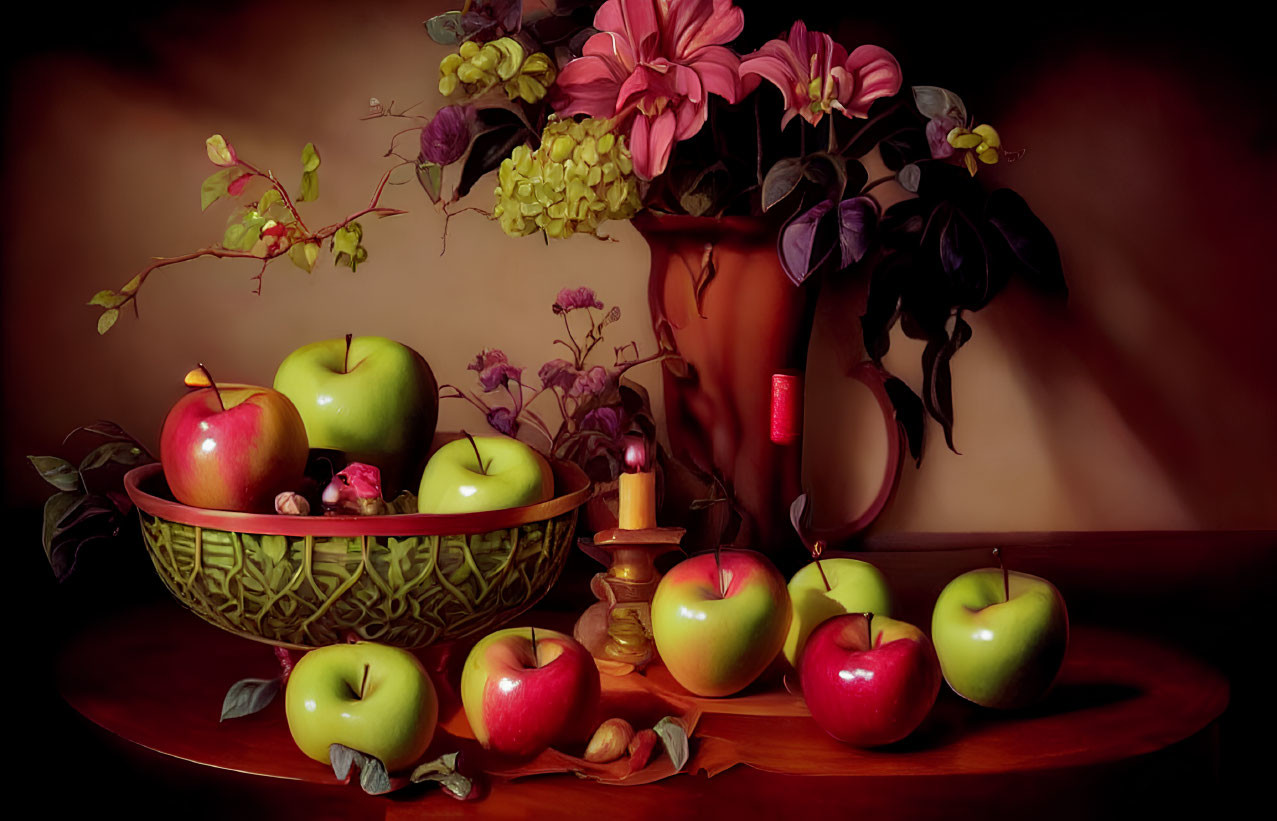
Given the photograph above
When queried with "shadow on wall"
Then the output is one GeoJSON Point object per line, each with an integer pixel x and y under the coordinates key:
{"type": "Point", "coordinates": [1161, 198]}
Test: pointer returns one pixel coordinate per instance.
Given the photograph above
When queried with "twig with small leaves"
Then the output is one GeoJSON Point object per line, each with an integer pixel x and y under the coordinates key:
{"type": "Point", "coordinates": [269, 227]}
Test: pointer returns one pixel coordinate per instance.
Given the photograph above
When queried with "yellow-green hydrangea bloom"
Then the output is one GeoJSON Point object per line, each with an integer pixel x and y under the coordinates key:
{"type": "Point", "coordinates": [534, 77]}
{"type": "Point", "coordinates": [475, 68]}
{"type": "Point", "coordinates": [581, 176]}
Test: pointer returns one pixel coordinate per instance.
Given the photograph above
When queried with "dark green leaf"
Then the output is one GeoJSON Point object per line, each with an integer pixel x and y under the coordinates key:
{"type": "Point", "coordinates": [488, 150]}
{"type": "Point", "coordinates": [882, 306]}
{"type": "Point", "coordinates": [58, 472]}
{"type": "Point", "coordinates": [829, 173]}
{"type": "Point", "coordinates": [121, 453]}
{"type": "Point", "coordinates": [937, 388]}
{"type": "Point", "coordinates": [781, 181]}
{"type": "Point", "coordinates": [707, 191]}
{"type": "Point", "coordinates": [903, 148]}
{"type": "Point", "coordinates": [56, 508]}
{"type": "Point", "coordinates": [446, 29]}
{"type": "Point", "coordinates": [910, 414]}
{"type": "Point", "coordinates": [248, 696]}
{"type": "Point", "coordinates": [104, 428]}
{"type": "Point", "coordinates": [372, 772]}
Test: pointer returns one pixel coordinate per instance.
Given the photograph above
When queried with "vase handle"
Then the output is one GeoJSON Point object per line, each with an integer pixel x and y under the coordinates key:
{"type": "Point", "coordinates": [872, 377]}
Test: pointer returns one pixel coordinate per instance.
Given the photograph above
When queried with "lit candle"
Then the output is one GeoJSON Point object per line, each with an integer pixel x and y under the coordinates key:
{"type": "Point", "coordinates": [638, 489]}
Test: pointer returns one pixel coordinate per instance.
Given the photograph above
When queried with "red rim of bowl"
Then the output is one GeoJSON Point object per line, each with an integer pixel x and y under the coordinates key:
{"type": "Point", "coordinates": [572, 488]}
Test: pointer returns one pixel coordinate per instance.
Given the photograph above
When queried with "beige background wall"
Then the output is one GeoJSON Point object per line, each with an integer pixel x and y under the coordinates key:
{"type": "Point", "coordinates": [1148, 404]}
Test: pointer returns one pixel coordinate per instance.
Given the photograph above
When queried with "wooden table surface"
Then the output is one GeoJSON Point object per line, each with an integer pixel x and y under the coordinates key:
{"type": "Point", "coordinates": [156, 676]}
{"type": "Point", "coordinates": [1196, 595]}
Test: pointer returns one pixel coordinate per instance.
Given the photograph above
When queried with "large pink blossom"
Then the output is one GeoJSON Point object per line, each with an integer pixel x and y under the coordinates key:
{"type": "Point", "coordinates": [816, 75]}
{"type": "Point", "coordinates": [651, 67]}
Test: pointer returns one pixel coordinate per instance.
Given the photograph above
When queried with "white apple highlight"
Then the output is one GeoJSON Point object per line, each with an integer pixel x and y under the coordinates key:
{"type": "Point", "coordinates": [854, 675]}
{"type": "Point", "coordinates": [699, 615]}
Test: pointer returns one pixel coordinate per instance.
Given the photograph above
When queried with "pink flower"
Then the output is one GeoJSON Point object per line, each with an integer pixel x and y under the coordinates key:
{"type": "Point", "coordinates": [651, 67]}
{"type": "Point", "coordinates": [589, 383]}
{"type": "Point", "coordinates": [494, 369]}
{"type": "Point", "coordinates": [582, 297]}
{"type": "Point", "coordinates": [558, 373]}
{"type": "Point", "coordinates": [816, 75]}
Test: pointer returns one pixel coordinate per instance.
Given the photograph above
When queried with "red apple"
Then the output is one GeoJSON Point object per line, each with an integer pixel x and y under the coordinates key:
{"type": "Point", "coordinates": [523, 695]}
{"type": "Point", "coordinates": [233, 447]}
{"type": "Point", "coordinates": [718, 622]}
{"type": "Point", "coordinates": [869, 692]}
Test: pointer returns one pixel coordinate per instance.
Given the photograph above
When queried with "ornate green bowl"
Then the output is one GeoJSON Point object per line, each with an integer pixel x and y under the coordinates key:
{"type": "Point", "coordinates": [408, 580]}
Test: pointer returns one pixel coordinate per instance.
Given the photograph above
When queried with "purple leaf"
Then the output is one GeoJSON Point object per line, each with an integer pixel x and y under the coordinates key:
{"type": "Point", "coordinates": [558, 373]}
{"type": "Point", "coordinates": [798, 241]}
{"type": "Point", "coordinates": [502, 420]}
{"type": "Point", "coordinates": [857, 219]}
{"type": "Point", "coordinates": [447, 136]}
{"type": "Point", "coordinates": [1036, 255]}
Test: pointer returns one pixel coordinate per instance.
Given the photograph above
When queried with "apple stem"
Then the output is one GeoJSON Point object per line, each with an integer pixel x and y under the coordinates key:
{"type": "Point", "coordinates": [1006, 580]}
{"type": "Point", "coordinates": [345, 365]}
{"type": "Point", "coordinates": [364, 682]}
{"type": "Point", "coordinates": [718, 566]}
{"type": "Point", "coordinates": [216, 390]}
{"type": "Point", "coordinates": [869, 630]}
{"type": "Point", "coordinates": [536, 657]}
{"type": "Point", "coordinates": [816, 550]}
{"type": "Point", "coordinates": [477, 457]}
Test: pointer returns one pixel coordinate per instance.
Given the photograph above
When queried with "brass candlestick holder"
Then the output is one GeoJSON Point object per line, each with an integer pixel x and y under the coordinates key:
{"type": "Point", "coordinates": [617, 629]}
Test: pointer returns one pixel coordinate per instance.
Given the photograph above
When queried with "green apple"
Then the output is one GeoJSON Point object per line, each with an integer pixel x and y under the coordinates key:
{"type": "Point", "coordinates": [1000, 636]}
{"type": "Point", "coordinates": [480, 473]}
{"type": "Point", "coordinates": [367, 696]}
{"type": "Point", "coordinates": [854, 587]}
{"type": "Point", "coordinates": [370, 397]}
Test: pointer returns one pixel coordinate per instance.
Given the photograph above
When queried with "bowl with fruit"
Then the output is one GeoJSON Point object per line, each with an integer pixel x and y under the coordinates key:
{"type": "Point", "coordinates": [266, 514]}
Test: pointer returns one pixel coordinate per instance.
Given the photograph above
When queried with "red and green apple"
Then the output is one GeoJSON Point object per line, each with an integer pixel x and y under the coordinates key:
{"type": "Point", "coordinates": [372, 398]}
{"type": "Point", "coordinates": [524, 691]}
{"type": "Point", "coordinates": [854, 586]}
{"type": "Point", "coordinates": [719, 623]}
{"type": "Point", "coordinates": [1001, 636]}
{"type": "Point", "coordinates": [366, 696]}
{"type": "Point", "coordinates": [868, 680]}
{"type": "Point", "coordinates": [233, 447]}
